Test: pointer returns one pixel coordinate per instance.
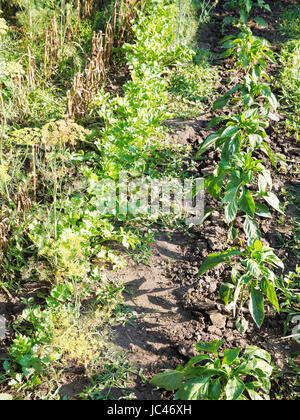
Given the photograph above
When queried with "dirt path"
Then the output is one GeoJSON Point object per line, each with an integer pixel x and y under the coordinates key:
{"type": "Point", "coordinates": [156, 338]}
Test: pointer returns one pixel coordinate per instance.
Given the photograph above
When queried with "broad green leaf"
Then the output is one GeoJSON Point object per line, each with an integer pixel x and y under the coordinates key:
{"type": "Point", "coordinates": [258, 352]}
{"type": "Point", "coordinates": [272, 199]}
{"type": "Point", "coordinates": [273, 101]}
{"type": "Point", "coordinates": [230, 356]}
{"type": "Point", "coordinates": [231, 194]}
{"type": "Point", "coordinates": [211, 347]}
{"type": "Point", "coordinates": [270, 154]}
{"type": "Point", "coordinates": [234, 181]}
{"type": "Point", "coordinates": [214, 185]}
{"type": "Point", "coordinates": [221, 102]}
{"type": "Point", "coordinates": [248, 101]}
{"type": "Point", "coordinates": [262, 211]}
{"type": "Point", "coordinates": [230, 147]}
{"type": "Point", "coordinates": [270, 258]}
{"type": "Point", "coordinates": [265, 181]}
{"type": "Point", "coordinates": [194, 372]}
{"type": "Point", "coordinates": [197, 359]}
{"type": "Point", "coordinates": [196, 389]}
{"type": "Point", "coordinates": [257, 245]}
{"type": "Point", "coordinates": [255, 140]}
{"type": "Point", "coordinates": [208, 142]}
{"type": "Point", "coordinates": [242, 325]}
{"type": "Point", "coordinates": [229, 131]}
{"type": "Point", "coordinates": [230, 212]}
{"type": "Point", "coordinates": [255, 396]}
{"type": "Point", "coordinates": [234, 389]}
{"type": "Point", "coordinates": [244, 19]}
{"type": "Point", "coordinates": [253, 268]}
{"type": "Point", "coordinates": [226, 291]}
{"type": "Point", "coordinates": [248, 4]}
{"type": "Point", "coordinates": [230, 197]}
{"type": "Point", "coordinates": [246, 202]}
{"type": "Point", "coordinates": [268, 288]}
{"type": "Point", "coordinates": [232, 233]}
{"type": "Point", "coordinates": [261, 21]}
{"type": "Point", "coordinates": [262, 62]}
{"type": "Point", "coordinates": [214, 390]}
{"type": "Point", "coordinates": [215, 259]}
{"type": "Point", "coordinates": [251, 229]}
{"type": "Point", "coordinates": [256, 306]}
{"type": "Point", "coordinates": [236, 294]}
{"type": "Point", "coordinates": [258, 367]}
{"type": "Point", "coordinates": [169, 380]}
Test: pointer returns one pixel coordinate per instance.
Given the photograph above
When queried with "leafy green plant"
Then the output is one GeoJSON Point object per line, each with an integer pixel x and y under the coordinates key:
{"type": "Point", "coordinates": [190, 86]}
{"type": "Point", "coordinates": [245, 8]}
{"type": "Point", "coordinates": [230, 182]}
{"type": "Point", "coordinates": [251, 279]}
{"type": "Point", "coordinates": [254, 90]}
{"type": "Point", "coordinates": [220, 378]}
{"type": "Point", "coordinates": [289, 296]}
{"type": "Point", "coordinates": [289, 85]}
{"type": "Point", "coordinates": [289, 23]}
{"type": "Point", "coordinates": [248, 50]}
{"type": "Point", "coordinates": [242, 131]}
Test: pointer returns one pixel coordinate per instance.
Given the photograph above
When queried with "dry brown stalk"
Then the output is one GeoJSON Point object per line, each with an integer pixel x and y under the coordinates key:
{"type": "Point", "coordinates": [31, 69]}
{"type": "Point", "coordinates": [23, 201]}
{"type": "Point", "coordinates": [117, 29]}
{"type": "Point", "coordinates": [86, 84]}
{"type": "Point", "coordinates": [4, 231]}
{"type": "Point", "coordinates": [51, 49]}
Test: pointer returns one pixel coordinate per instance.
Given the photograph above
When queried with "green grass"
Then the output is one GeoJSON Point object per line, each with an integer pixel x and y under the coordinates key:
{"type": "Point", "coordinates": [192, 86]}
{"type": "Point", "coordinates": [289, 76]}
{"type": "Point", "coordinates": [289, 24]}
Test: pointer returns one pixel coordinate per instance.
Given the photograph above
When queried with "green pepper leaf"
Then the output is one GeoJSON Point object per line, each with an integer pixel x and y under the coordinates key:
{"type": "Point", "coordinates": [234, 389]}
{"type": "Point", "coordinates": [256, 306]}
{"type": "Point", "coordinates": [169, 380]}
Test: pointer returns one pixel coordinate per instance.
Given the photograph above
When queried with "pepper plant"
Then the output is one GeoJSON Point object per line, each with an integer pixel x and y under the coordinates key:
{"type": "Point", "coordinates": [231, 182]}
{"type": "Point", "coordinates": [244, 130]}
{"type": "Point", "coordinates": [212, 377]}
{"type": "Point", "coordinates": [246, 6]}
{"type": "Point", "coordinates": [252, 278]}
{"type": "Point", "coordinates": [255, 92]}
{"type": "Point", "coordinates": [248, 49]}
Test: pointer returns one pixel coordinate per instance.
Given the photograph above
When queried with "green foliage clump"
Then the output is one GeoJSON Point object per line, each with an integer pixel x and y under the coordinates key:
{"type": "Point", "coordinates": [190, 86]}
{"type": "Point", "coordinates": [289, 24]}
{"type": "Point", "coordinates": [289, 83]}
{"type": "Point", "coordinates": [133, 128]}
{"type": "Point", "coordinates": [214, 378]}
{"type": "Point", "coordinates": [251, 280]}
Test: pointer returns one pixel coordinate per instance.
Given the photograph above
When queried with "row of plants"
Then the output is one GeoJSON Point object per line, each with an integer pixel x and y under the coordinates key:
{"type": "Point", "coordinates": [53, 233]}
{"type": "Point", "coordinates": [244, 185]}
{"type": "Point", "coordinates": [253, 105]}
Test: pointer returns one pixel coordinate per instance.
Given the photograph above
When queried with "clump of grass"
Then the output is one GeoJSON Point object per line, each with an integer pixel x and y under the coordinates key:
{"type": "Point", "coordinates": [289, 24]}
{"type": "Point", "coordinates": [289, 83]}
{"type": "Point", "coordinates": [289, 77]}
{"type": "Point", "coordinates": [191, 86]}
